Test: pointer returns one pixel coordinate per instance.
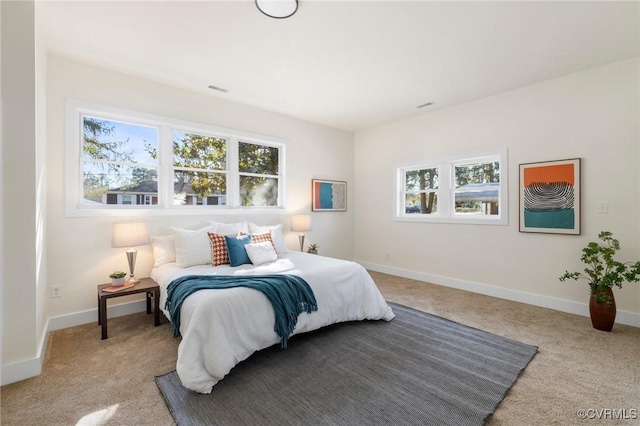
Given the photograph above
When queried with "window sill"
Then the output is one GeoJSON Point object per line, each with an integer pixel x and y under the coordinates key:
{"type": "Point", "coordinates": [453, 220]}
{"type": "Point", "coordinates": [173, 211]}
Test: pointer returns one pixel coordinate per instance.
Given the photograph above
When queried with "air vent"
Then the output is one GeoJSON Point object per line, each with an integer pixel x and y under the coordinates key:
{"type": "Point", "coordinates": [219, 89]}
{"type": "Point", "coordinates": [426, 105]}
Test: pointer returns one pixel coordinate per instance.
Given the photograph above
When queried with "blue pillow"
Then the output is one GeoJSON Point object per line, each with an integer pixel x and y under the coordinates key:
{"type": "Point", "coordinates": [235, 246]}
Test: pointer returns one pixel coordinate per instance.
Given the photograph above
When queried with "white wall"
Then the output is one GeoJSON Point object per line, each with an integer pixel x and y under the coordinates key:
{"type": "Point", "coordinates": [41, 187]}
{"type": "Point", "coordinates": [22, 253]}
{"type": "Point", "coordinates": [1, 206]}
{"type": "Point", "coordinates": [79, 252]}
{"type": "Point", "coordinates": [593, 115]}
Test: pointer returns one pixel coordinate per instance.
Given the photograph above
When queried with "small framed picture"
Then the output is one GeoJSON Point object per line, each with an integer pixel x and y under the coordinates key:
{"type": "Point", "coordinates": [328, 195]}
{"type": "Point", "coordinates": [550, 197]}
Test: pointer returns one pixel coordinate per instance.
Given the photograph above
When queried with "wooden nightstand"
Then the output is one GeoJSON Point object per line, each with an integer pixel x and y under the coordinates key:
{"type": "Point", "coordinates": [146, 285]}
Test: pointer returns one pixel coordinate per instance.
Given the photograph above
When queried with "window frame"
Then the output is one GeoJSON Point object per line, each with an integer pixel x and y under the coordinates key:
{"type": "Point", "coordinates": [74, 187]}
{"type": "Point", "coordinates": [445, 192]}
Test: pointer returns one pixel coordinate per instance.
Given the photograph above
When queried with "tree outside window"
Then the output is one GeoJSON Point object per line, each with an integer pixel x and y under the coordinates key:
{"type": "Point", "coordinates": [116, 158]}
{"type": "Point", "coordinates": [421, 191]}
{"type": "Point", "coordinates": [455, 190]}
{"type": "Point", "coordinates": [133, 160]}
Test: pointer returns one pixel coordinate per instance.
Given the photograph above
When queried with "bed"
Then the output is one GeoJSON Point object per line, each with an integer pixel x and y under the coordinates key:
{"type": "Point", "coordinates": [221, 328]}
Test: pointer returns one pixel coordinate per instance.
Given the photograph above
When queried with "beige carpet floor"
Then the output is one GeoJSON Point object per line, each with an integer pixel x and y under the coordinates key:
{"type": "Point", "coordinates": [89, 381]}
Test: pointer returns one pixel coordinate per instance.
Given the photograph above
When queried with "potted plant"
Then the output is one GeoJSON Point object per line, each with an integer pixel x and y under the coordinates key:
{"type": "Point", "coordinates": [117, 278]}
{"type": "Point", "coordinates": [313, 249]}
{"type": "Point", "coordinates": [602, 272]}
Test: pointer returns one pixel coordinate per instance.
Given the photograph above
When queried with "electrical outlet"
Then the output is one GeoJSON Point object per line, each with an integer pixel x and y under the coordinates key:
{"type": "Point", "coordinates": [56, 291]}
{"type": "Point", "coordinates": [603, 207]}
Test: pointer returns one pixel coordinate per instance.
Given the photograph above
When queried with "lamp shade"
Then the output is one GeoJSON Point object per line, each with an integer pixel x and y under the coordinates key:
{"type": "Point", "coordinates": [301, 223]}
{"type": "Point", "coordinates": [130, 234]}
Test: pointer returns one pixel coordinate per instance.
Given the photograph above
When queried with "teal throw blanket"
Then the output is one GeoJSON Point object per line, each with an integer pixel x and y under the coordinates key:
{"type": "Point", "coordinates": [289, 295]}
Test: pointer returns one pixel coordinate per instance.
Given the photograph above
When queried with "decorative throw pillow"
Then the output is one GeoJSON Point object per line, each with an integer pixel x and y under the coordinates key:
{"type": "Point", "coordinates": [276, 235]}
{"type": "Point", "coordinates": [261, 238]}
{"type": "Point", "coordinates": [219, 252]}
{"type": "Point", "coordinates": [192, 246]}
{"type": "Point", "coordinates": [237, 253]}
{"type": "Point", "coordinates": [164, 249]}
{"type": "Point", "coordinates": [260, 253]}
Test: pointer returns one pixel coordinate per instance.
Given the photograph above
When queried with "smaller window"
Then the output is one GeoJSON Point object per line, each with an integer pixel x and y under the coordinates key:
{"type": "Point", "coordinates": [458, 190]}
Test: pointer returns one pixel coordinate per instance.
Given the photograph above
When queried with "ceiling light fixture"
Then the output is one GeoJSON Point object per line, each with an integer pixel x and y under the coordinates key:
{"type": "Point", "coordinates": [219, 89]}
{"type": "Point", "coordinates": [278, 9]}
{"type": "Point", "coordinates": [426, 105]}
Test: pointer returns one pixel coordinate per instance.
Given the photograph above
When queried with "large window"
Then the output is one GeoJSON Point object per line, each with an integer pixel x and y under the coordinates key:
{"type": "Point", "coordinates": [121, 160]}
{"type": "Point", "coordinates": [462, 190]}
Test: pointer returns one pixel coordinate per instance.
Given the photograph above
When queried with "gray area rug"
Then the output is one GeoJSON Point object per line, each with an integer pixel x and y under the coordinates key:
{"type": "Point", "coordinates": [418, 369]}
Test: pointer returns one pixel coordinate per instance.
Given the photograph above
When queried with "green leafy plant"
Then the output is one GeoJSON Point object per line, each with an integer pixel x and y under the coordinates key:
{"type": "Point", "coordinates": [602, 270]}
{"type": "Point", "coordinates": [117, 274]}
{"type": "Point", "coordinates": [313, 247]}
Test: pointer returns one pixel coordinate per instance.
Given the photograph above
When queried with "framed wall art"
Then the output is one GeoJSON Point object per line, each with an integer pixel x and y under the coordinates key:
{"type": "Point", "coordinates": [550, 197]}
{"type": "Point", "coordinates": [328, 195]}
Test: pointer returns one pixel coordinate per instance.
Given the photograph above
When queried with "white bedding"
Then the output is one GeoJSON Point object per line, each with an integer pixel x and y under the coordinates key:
{"type": "Point", "coordinates": [220, 328]}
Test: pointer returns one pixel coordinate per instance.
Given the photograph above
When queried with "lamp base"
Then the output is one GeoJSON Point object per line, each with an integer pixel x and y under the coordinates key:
{"type": "Point", "coordinates": [301, 238]}
{"type": "Point", "coordinates": [131, 258]}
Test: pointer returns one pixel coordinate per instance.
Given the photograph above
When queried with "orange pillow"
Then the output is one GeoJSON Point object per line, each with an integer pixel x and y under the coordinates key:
{"type": "Point", "coordinates": [219, 252]}
{"type": "Point", "coordinates": [262, 238]}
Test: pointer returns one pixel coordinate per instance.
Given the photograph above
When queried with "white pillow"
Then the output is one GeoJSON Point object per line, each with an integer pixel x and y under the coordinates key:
{"type": "Point", "coordinates": [260, 253]}
{"type": "Point", "coordinates": [193, 247]}
{"type": "Point", "coordinates": [164, 249]}
{"type": "Point", "coordinates": [231, 228]}
{"type": "Point", "coordinates": [276, 235]}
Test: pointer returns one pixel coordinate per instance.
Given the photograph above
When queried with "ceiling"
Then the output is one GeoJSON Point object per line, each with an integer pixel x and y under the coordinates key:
{"type": "Point", "coordinates": [349, 65]}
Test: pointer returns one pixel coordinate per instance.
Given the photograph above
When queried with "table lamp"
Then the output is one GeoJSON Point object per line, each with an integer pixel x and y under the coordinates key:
{"type": "Point", "coordinates": [301, 223]}
{"type": "Point", "coordinates": [130, 234]}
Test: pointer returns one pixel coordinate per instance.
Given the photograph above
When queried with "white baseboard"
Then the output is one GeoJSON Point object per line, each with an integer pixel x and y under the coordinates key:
{"type": "Point", "coordinates": [86, 317]}
{"type": "Point", "coordinates": [28, 368]}
{"type": "Point", "coordinates": [563, 305]}
{"type": "Point", "coordinates": [32, 367]}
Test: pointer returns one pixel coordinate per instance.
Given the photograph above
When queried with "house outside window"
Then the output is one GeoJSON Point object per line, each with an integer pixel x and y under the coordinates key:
{"type": "Point", "coordinates": [454, 190]}
{"type": "Point", "coordinates": [135, 160]}
{"type": "Point", "coordinates": [116, 155]}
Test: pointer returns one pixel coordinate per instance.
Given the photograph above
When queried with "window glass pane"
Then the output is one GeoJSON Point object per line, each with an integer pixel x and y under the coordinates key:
{"type": "Point", "coordinates": [419, 180]}
{"type": "Point", "coordinates": [477, 173]}
{"type": "Point", "coordinates": [217, 200]}
{"type": "Point", "coordinates": [198, 151]}
{"type": "Point", "coordinates": [259, 159]}
{"type": "Point", "coordinates": [258, 191]}
{"type": "Point", "coordinates": [191, 188]}
{"type": "Point", "coordinates": [107, 183]}
{"type": "Point", "coordinates": [479, 200]}
{"type": "Point", "coordinates": [117, 141]}
{"type": "Point", "coordinates": [422, 203]}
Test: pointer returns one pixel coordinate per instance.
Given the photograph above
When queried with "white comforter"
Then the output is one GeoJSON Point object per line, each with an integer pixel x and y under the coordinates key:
{"type": "Point", "coordinates": [220, 328]}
